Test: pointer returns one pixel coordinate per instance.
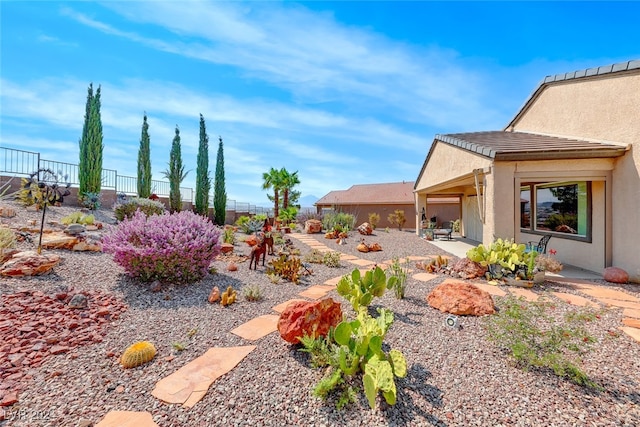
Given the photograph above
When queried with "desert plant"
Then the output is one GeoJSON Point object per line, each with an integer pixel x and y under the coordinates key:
{"type": "Point", "coordinates": [229, 236]}
{"type": "Point", "coordinates": [455, 226]}
{"type": "Point", "coordinates": [547, 263]}
{"type": "Point", "coordinates": [359, 290]}
{"type": "Point", "coordinates": [274, 278]}
{"type": "Point", "coordinates": [253, 293]}
{"type": "Point", "coordinates": [127, 208]}
{"type": "Point", "coordinates": [345, 221]}
{"type": "Point", "coordinates": [331, 259]}
{"type": "Point", "coordinates": [178, 346]}
{"type": "Point", "coordinates": [228, 297]}
{"type": "Point", "coordinates": [286, 266]}
{"type": "Point", "coordinates": [400, 272]}
{"type": "Point", "coordinates": [77, 218]}
{"type": "Point", "coordinates": [90, 200]}
{"type": "Point", "coordinates": [7, 240]}
{"type": "Point", "coordinates": [138, 354]}
{"type": "Point", "coordinates": [397, 218]}
{"type": "Point", "coordinates": [314, 256]}
{"type": "Point", "coordinates": [288, 215]}
{"type": "Point", "coordinates": [176, 248]}
{"type": "Point", "coordinates": [374, 218]}
{"type": "Point", "coordinates": [534, 338]}
{"type": "Point", "coordinates": [501, 257]}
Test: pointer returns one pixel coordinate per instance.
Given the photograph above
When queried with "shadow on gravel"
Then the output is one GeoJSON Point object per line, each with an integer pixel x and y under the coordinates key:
{"type": "Point", "coordinates": [142, 295]}
{"type": "Point", "coordinates": [408, 412]}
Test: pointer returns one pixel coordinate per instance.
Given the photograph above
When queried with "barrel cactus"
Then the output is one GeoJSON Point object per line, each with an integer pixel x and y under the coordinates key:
{"type": "Point", "coordinates": [138, 354]}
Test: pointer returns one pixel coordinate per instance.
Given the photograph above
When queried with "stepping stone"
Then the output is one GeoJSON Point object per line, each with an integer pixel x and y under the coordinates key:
{"type": "Point", "coordinates": [189, 384]}
{"type": "Point", "coordinates": [573, 283]}
{"type": "Point", "coordinates": [280, 307]}
{"type": "Point", "coordinates": [424, 277]}
{"type": "Point", "coordinates": [333, 282]}
{"type": "Point", "coordinates": [491, 289]}
{"type": "Point", "coordinates": [630, 312]}
{"type": "Point", "coordinates": [575, 299]}
{"type": "Point", "coordinates": [317, 291]}
{"type": "Point", "coordinates": [632, 332]}
{"type": "Point", "coordinates": [362, 262]}
{"type": "Point", "coordinates": [418, 258]}
{"type": "Point", "coordinates": [618, 303]}
{"type": "Point", "coordinates": [632, 323]}
{"type": "Point", "coordinates": [347, 257]}
{"type": "Point", "coordinates": [525, 293]}
{"type": "Point", "coordinates": [601, 292]}
{"type": "Point", "coordinates": [257, 328]}
{"type": "Point", "coordinates": [127, 419]}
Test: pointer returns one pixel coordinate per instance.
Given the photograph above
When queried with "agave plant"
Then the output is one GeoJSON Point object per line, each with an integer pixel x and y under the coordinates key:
{"type": "Point", "coordinates": [51, 191]}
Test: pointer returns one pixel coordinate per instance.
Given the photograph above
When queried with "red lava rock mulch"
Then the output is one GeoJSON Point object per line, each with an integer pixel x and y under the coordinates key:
{"type": "Point", "coordinates": [35, 326]}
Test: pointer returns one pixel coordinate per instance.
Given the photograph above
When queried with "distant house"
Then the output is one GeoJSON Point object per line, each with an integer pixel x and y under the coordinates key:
{"type": "Point", "coordinates": [383, 199]}
{"type": "Point", "coordinates": [567, 164]}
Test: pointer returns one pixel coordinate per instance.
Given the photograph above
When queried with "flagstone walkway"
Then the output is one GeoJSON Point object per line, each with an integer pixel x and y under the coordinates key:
{"type": "Point", "coordinates": [189, 384]}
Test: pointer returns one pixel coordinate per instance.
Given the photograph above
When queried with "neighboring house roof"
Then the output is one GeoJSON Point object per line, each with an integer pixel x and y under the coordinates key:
{"type": "Point", "coordinates": [392, 193]}
{"type": "Point", "coordinates": [580, 74]}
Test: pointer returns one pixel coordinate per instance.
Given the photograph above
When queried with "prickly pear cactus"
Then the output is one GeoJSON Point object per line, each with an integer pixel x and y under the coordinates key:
{"type": "Point", "coordinates": [138, 354]}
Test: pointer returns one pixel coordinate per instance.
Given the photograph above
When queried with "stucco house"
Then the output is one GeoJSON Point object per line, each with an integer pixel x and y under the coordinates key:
{"type": "Point", "coordinates": [567, 164]}
{"type": "Point", "coordinates": [362, 199]}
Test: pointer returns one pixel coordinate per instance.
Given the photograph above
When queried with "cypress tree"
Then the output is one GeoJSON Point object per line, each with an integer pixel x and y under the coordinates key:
{"type": "Point", "coordinates": [175, 174]}
{"type": "Point", "coordinates": [220, 194]}
{"type": "Point", "coordinates": [91, 147]}
{"type": "Point", "coordinates": [203, 181]}
{"type": "Point", "coordinates": [144, 161]}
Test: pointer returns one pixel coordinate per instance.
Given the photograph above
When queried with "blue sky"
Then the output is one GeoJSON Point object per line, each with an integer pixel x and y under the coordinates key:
{"type": "Point", "coordinates": [343, 92]}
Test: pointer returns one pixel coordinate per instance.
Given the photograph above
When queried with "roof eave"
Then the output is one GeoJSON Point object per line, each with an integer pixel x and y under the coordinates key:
{"type": "Point", "coordinates": [562, 155]}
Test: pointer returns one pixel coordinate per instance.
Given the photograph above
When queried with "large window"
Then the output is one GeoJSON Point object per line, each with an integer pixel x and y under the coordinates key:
{"type": "Point", "coordinates": [557, 207]}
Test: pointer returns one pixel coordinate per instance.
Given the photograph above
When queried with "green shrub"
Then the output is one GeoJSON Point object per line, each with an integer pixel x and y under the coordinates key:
{"type": "Point", "coordinates": [345, 221]}
{"type": "Point", "coordinates": [359, 290]}
{"type": "Point", "coordinates": [534, 338]}
{"type": "Point", "coordinates": [400, 272]}
{"type": "Point", "coordinates": [127, 208]}
{"type": "Point", "coordinates": [331, 259]}
{"type": "Point", "coordinates": [78, 218]}
{"type": "Point", "coordinates": [229, 236]}
{"type": "Point", "coordinates": [374, 218]}
{"type": "Point", "coordinates": [314, 256]}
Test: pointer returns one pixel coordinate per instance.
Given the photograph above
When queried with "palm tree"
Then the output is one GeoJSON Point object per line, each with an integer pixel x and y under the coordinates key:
{"type": "Point", "coordinates": [289, 180]}
{"type": "Point", "coordinates": [273, 179]}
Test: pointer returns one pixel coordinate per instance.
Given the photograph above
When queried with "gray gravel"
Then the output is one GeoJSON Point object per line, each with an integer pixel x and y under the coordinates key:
{"type": "Point", "coordinates": [456, 377]}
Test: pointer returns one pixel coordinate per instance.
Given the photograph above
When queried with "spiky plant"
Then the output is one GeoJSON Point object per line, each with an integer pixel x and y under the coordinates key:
{"type": "Point", "coordinates": [138, 354]}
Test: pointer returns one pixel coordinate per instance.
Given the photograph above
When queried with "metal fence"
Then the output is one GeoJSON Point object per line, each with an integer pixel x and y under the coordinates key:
{"type": "Point", "coordinates": [24, 163]}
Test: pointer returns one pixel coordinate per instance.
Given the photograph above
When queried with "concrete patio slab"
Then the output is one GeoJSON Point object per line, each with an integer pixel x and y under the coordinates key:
{"type": "Point", "coordinates": [317, 291]}
{"type": "Point", "coordinates": [527, 294]}
{"type": "Point", "coordinates": [127, 419]}
{"type": "Point", "coordinates": [630, 312]}
{"type": "Point", "coordinates": [348, 257]}
{"type": "Point", "coordinates": [620, 303]}
{"type": "Point", "coordinates": [601, 292]}
{"type": "Point", "coordinates": [575, 299]}
{"type": "Point", "coordinates": [630, 322]}
{"type": "Point", "coordinates": [362, 262]}
{"type": "Point", "coordinates": [632, 332]}
{"type": "Point", "coordinates": [333, 282]}
{"type": "Point", "coordinates": [190, 383]}
{"type": "Point", "coordinates": [280, 307]}
{"type": "Point", "coordinates": [257, 328]}
{"type": "Point", "coordinates": [424, 277]}
{"type": "Point", "coordinates": [491, 289]}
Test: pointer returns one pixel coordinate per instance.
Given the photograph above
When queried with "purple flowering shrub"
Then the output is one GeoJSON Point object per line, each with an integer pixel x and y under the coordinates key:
{"type": "Point", "coordinates": [176, 248]}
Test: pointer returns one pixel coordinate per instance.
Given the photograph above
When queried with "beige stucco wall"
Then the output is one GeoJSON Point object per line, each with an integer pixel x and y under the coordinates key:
{"type": "Point", "coordinates": [602, 108]}
{"type": "Point", "coordinates": [447, 163]}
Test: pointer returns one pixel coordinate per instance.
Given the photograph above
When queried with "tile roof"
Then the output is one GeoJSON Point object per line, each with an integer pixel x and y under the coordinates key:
{"type": "Point", "coordinates": [501, 145]}
{"type": "Point", "coordinates": [361, 194]}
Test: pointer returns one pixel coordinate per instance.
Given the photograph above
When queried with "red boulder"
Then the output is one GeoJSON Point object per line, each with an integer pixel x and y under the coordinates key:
{"type": "Point", "coordinates": [313, 226]}
{"type": "Point", "coordinates": [615, 275]}
{"type": "Point", "coordinates": [313, 318]}
{"type": "Point", "coordinates": [461, 299]}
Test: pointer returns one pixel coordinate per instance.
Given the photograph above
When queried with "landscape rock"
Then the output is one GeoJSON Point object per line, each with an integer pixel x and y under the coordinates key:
{"type": "Point", "coordinates": [362, 247]}
{"type": "Point", "coordinates": [29, 263]}
{"type": "Point", "coordinates": [375, 247]}
{"type": "Point", "coordinates": [58, 240]}
{"type": "Point", "coordinates": [467, 269]}
{"type": "Point", "coordinates": [313, 318]}
{"type": "Point", "coordinates": [74, 229]}
{"type": "Point", "coordinates": [226, 248]}
{"type": "Point", "coordinates": [461, 299]}
{"type": "Point", "coordinates": [7, 212]}
{"type": "Point", "coordinates": [214, 295]}
{"type": "Point", "coordinates": [365, 228]}
{"type": "Point", "coordinates": [79, 301]}
{"type": "Point", "coordinates": [615, 275]}
{"type": "Point", "coordinates": [312, 226]}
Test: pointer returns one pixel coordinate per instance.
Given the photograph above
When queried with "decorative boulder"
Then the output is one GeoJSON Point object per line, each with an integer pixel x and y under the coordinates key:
{"type": "Point", "coordinates": [365, 228]}
{"type": "Point", "coordinates": [214, 295]}
{"type": "Point", "coordinates": [467, 269]}
{"type": "Point", "coordinates": [375, 247]}
{"type": "Point", "coordinates": [29, 263]}
{"type": "Point", "coordinates": [615, 275]}
{"type": "Point", "coordinates": [313, 226]}
{"type": "Point", "coordinates": [226, 248]}
{"type": "Point", "coordinates": [362, 247]}
{"type": "Point", "coordinates": [313, 318]}
{"type": "Point", "coordinates": [461, 299]}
